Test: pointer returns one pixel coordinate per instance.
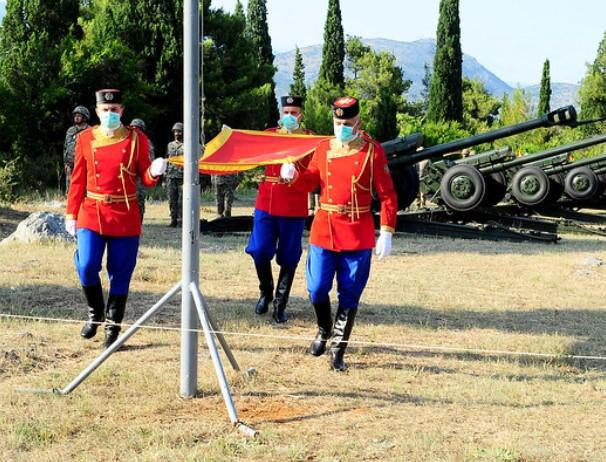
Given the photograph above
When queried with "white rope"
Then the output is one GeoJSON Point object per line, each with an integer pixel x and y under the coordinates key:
{"type": "Point", "coordinates": [368, 343]}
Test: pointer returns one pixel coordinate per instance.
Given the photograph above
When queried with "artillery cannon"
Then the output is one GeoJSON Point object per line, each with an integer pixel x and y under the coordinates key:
{"type": "Point", "coordinates": [403, 153]}
{"type": "Point", "coordinates": [584, 179]}
{"type": "Point", "coordinates": [534, 184]}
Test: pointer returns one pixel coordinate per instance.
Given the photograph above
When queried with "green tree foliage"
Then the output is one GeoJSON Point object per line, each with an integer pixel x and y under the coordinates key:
{"type": "Point", "coordinates": [333, 52]}
{"type": "Point", "coordinates": [142, 39]}
{"type": "Point", "coordinates": [480, 108]}
{"type": "Point", "coordinates": [379, 85]}
{"type": "Point", "coordinates": [545, 92]}
{"type": "Point", "coordinates": [298, 76]}
{"type": "Point", "coordinates": [318, 114]}
{"type": "Point", "coordinates": [445, 96]}
{"type": "Point", "coordinates": [593, 91]}
{"type": "Point", "coordinates": [235, 82]}
{"type": "Point", "coordinates": [33, 37]}
{"type": "Point", "coordinates": [258, 33]}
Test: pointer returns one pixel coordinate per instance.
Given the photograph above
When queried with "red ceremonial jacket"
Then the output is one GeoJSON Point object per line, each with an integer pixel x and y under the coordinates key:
{"type": "Point", "coordinates": [347, 175]}
{"type": "Point", "coordinates": [102, 192]}
{"type": "Point", "coordinates": [277, 197]}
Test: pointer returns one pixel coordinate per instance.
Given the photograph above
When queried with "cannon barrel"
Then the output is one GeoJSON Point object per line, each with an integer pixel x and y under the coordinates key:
{"type": "Point", "coordinates": [529, 158]}
{"type": "Point", "coordinates": [398, 148]}
{"type": "Point", "coordinates": [595, 163]}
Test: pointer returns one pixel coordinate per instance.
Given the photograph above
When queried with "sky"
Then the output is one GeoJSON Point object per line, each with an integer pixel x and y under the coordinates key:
{"type": "Point", "coordinates": [512, 38]}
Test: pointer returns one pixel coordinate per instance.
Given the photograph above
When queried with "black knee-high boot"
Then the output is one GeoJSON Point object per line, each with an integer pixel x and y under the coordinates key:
{"type": "Point", "coordinates": [285, 279]}
{"type": "Point", "coordinates": [344, 322]}
{"type": "Point", "coordinates": [324, 321]}
{"type": "Point", "coordinates": [266, 287]}
{"type": "Point", "coordinates": [96, 310]}
{"type": "Point", "coordinates": [116, 305]}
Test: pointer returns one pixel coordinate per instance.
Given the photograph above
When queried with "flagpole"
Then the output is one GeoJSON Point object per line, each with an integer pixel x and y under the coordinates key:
{"type": "Point", "coordinates": [191, 196]}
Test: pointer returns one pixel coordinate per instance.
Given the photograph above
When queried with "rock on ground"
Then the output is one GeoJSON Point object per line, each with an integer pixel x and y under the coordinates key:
{"type": "Point", "coordinates": [40, 227]}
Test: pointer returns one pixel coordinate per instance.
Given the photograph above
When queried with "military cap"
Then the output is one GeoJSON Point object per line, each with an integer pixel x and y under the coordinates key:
{"type": "Point", "coordinates": [138, 123]}
{"type": "Point", "coordinates": [82, 111]}
{"type": "Point", "coordinates": [345, 107]}
{"type": "Point", "coordinates": [108, 96]}
{"type": "Point", "coordinates": [177, 127]}
{"type": "Point", "coordinates": [288, 100]}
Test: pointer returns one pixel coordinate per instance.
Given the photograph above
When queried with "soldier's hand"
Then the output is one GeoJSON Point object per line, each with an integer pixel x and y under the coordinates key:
{"type": "Point", "coordinates": [70, 227]}
{"type": "Point", "coordinates": [383, 247]}
{"type": "Point", "coordinates": [288, 172]}
{"type": "Point", "coordinates": [158, 167]}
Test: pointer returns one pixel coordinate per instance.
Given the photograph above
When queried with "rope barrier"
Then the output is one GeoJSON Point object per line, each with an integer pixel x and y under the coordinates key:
{"type": "Point", "coordinates": [366, 343]}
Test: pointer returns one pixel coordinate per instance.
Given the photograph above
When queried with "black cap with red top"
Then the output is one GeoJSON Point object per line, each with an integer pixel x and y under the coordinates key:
{"type": "Point", "coordinates": [345, 107]}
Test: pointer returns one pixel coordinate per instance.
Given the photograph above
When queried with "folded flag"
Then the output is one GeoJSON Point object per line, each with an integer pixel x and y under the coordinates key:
{"type": "Point", "coordinates": [233, 151]}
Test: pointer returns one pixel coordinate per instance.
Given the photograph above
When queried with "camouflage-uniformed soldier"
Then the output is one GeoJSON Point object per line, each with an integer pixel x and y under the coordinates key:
{"type": "Point", "coordinates": [140, 124]}
{"type": "Point", "coordinates": [224, 187]}
{"type": "Point", "coordinates": [81, 117]}
{"type": "Point", "coordinates": [174, 176]}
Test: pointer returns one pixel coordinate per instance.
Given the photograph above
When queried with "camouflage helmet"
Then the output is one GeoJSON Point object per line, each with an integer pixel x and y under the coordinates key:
{"type": "Point", "coordinates": [177, 127]}
{"type": "Point", "coordinates": [82, 111]}
{"type": "Point", "coordinates": [138, 123]}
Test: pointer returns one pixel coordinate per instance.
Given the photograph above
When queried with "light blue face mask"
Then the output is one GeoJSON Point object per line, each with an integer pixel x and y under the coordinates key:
{"type": "Point", "coordinates": [289, 122]}
{"type": "Point", "coordinates": [344, 133]}
{"type": "Point", "coordinates": [110, 120]}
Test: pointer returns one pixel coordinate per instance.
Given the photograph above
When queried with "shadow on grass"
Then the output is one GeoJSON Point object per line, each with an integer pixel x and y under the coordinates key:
{"type": "Point", "coordinates": [586, 326]}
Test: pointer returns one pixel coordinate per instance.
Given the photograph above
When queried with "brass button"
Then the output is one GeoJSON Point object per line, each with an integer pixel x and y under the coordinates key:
{"type": "Point", "coordinates": [98, 175]}
{"type": "Point", "coordinates": [328, 173]}
{"type": "Point", "coordinates": [329, 186]}
{"type": "Point", "coordinates": [356, 162]}
{"type": "Point", "coordinates": [96, 162]}
{"type": "Point", "coordinates": [98, 187]}
{"type": "Point", "coordinates": [330, 199]}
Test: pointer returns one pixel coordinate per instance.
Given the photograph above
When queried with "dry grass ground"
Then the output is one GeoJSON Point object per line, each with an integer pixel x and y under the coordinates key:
{"type": "Point", "coordinates": [395, 403]}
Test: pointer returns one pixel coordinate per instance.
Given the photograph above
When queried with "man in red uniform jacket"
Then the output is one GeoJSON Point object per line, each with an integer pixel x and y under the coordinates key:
{"type": "Point", "coordinates": [347, 168]}
{"type": "Point", "coordinates": [279, 220]}
{"type": "Point", "coordinates": [102, 209]}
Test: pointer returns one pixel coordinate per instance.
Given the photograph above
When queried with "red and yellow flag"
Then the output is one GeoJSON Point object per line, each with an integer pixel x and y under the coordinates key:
{"type": "Point", "coordinates": [233, 151]}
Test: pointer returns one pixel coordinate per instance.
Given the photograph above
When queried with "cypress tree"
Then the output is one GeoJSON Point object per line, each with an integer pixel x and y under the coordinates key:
{"type": "Point", "coordinates": [446, 94]}
{"type": "Point", "coordinates": [545, 93]}
{"type": "Point", "coordinates": [298, 76]}
{"type": "Point", "coordinates": [333, 52]}
{"type": "Point", "coordinates": [258, 32]}
{"type": "Point", "coordinates": [239, 11]}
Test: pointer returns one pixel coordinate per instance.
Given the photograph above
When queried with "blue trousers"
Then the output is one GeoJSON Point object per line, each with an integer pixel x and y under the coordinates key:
{"type": "Point", "coordinates": [121, 259]}
{"type": "Point", "coordinates": [352, 269]}
{"type": "Point", "coordinates": [279, 236]}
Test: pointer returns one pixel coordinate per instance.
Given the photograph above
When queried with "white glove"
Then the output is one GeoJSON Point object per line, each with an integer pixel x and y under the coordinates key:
{"type": "Point", "coordinates": [288, 172]}
{"type": "Point", "coordinates": [70, 227]}
{"type": "Point", "coordinates": [383, 247]}
{"type": "Point", "coordinates": [158, 167]}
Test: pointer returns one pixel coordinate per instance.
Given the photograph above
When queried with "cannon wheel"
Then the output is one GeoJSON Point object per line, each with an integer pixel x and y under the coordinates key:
{"type": "Point", "coordinates": [530, 186]}
{"type": "Point", "coordinates": [556, 187]}
{"type": "Point", "coordinates": [462, 188]}
{"type": "Point", "coordinates": [581, 184]}
{"type": "Point", "coordinates": [406, 183]}
{"type": "Point", "coordinates": [496, 188]}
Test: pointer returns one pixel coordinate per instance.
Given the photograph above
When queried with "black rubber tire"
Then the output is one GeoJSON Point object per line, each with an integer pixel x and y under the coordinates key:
{"type": "Point", "coordinates": [556, 188]}
{"type": "Point", "coordinates": [406, 183]}
{"type": "Point", "coordinates": [592, 184]}
{"type": "Point", "coordinates": [537, 198]}
{"type": "Point", "coordinates": [476, 180]}
{"type": "Point", "coordinates": [496, 188]}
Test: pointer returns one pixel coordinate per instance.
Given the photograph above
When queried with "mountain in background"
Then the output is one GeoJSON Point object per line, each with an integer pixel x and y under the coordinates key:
{"type": "Point", "coordinates": [412, 57]}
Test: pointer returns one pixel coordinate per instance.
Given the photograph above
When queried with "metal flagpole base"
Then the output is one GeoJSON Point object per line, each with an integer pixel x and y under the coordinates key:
{"type": "Point", "coordinates": [214, 354]}
{"type": "Point", "coordinates": [107, 352]}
